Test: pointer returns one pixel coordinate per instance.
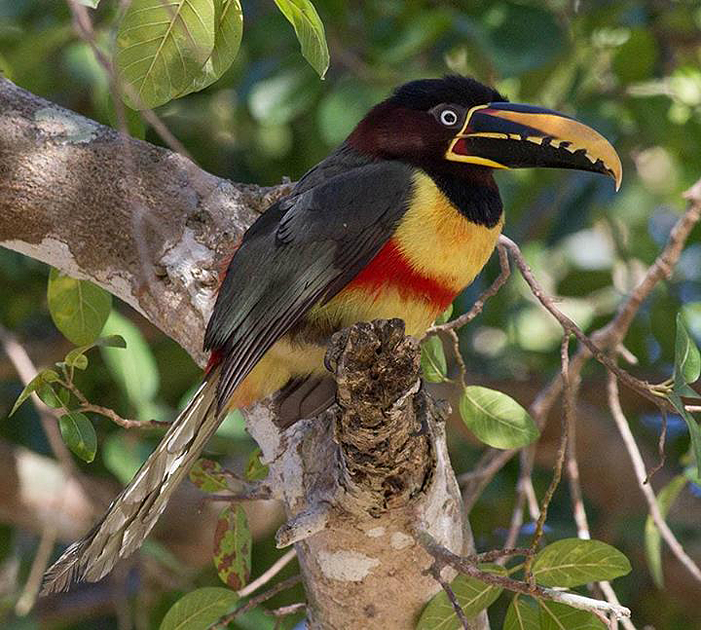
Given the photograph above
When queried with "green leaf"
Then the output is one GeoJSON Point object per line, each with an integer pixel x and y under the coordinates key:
{"type": "Point", "coordinates": [433, 364]}
{"type": "Point", "coordinates": [310, 32]}
{"type": "Point", "coordinates": [694, 429]}
{"type": "Point", "coordinates": [555, 616]}
{"type": "Point", "coordinates": [199, 609]}
{"type": "Point", "coordinates": [687, 360]}
{"type": "Point", "coordinates": [76, 357]}
{"type": "Point", "coordinates": [111, 341]}
{"type": "Point", "coordinates": [78, 307]}
{"type": "Point", "coordinates": [228, 31]}
{"type": "Point", "coordinates": [445, 315]}
{"type": "Point", "coordinates": [573, 561]}
{"type": "Point", "coordinates": [162, 47]}
{"type": "Point", "coordinates": [135, 370]}
{"type": "Point", "coordinates": [521, 616]}
{"type": "Point", "coordinates": [232, 547]}
{"type": "Point", "coordinates": [52, 398]}
{"type": "Point", "coordinates": [207, 475]}
{"type": "Point", "coordinates": [472, 595]}
{"type": "Point", "coordinates": [44, 377]}
{"type": "Point", "coordinates": [255, 469]}
{"type": "Point", "coordinates": [79, 435]}
{"type": "Point", "coordinates": [653, 541]}
{"type": "Point", "coordinates": [496, 419]}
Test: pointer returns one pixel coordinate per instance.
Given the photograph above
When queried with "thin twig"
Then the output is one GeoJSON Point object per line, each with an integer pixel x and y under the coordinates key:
{"type": "Point", "coordinates": [475, 481]}
{"type": "Point", "coordinates": [660, 449]}
{"type": "Point", "coordinates": [608, 336]}
{"type": "Point", "coordinates": [88, 407]}
{"type": "Point", "coordinates": [559, 460]}
{"type": "Point", "coordinates": [269, 574]}
{"type": "Point", "coordinates": [249, 492]}
{"type": "Point", "coordinates": [571, 390]}
{"type": "Point", "coordinates": [123, 422]}
{"type": "Point", "coordinates": [612, 334]}
{"type": "Point", "coordinates": [578, 510]}
{"type": "Point", "coordinates": [435, 571]}
{"type": "Point", "coordinates": [478, 306]}
{"type": "Point", "coordinates": [284, 611]}
{"type": "Point", "coordinates": [524, 481]}
{"type": "Point", "coordinates": [31, 588]}
{"type": "Point", "coordinates": [639, 468]}
{"type": "Point", "coordinates": [84, 28]}
{"type": "Point", "coordinates": [27, 371]}
{"type": "Point", "coordinates": [458, 356]}
{"type": "Point", "coordinates": [495, 554]}
{"type": "Point", "coordinates": [256, 601]}
{"type": "Point", "coordinates": [570, 327]}
{"type": "Point", "coordinates": [463, 565]}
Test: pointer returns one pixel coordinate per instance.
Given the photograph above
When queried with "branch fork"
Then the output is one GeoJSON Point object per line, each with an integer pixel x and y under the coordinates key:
{"type": "Point", "coordinates": [365, 473]}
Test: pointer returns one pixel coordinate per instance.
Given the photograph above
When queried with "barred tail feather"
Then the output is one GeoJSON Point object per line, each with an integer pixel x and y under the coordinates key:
{"type": "Point", "coordinates": [134, 512]}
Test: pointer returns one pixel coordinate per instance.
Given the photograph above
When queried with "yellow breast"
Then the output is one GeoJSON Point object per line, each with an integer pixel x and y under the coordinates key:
{"type": "Point", "coordinates": [439, 241]}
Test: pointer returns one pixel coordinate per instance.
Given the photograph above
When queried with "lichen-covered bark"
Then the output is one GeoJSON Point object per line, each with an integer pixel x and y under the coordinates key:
{"type": "Point", "coordinates": [153, 228]}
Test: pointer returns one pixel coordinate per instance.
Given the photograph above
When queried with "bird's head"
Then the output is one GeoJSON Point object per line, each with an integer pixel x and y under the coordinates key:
{"type": "Point", "coordinates": [457, 125]}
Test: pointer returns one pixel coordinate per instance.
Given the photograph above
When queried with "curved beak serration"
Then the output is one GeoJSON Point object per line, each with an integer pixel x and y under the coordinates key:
{"type": "Point", "coordinates": [512, 135]}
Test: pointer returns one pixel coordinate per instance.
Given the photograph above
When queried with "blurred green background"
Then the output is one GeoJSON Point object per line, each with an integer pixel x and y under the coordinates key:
{"type": "Point", "coordinates": [632, 70]}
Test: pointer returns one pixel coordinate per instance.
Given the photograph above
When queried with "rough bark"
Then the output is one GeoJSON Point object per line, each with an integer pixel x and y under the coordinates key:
{"type": "Point", "coordinates": [152, 228]}
{"type": "Point", "coordinates": [143, 222]}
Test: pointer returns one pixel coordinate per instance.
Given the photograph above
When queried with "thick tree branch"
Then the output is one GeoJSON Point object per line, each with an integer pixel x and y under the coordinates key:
{"type": "Point", "coordinates": [141, 221]}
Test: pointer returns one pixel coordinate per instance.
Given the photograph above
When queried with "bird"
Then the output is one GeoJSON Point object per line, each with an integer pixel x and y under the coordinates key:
{"type": "Point", "coordinates": [394, 223]}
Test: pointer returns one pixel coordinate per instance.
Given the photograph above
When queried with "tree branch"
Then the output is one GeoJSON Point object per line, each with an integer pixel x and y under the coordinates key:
{"type": "Point", "coordinates": [639, 468]}
{"type": "Point", "coordinates": [143, 222]}
{"type": "Point", "coordinates": [468, 567]}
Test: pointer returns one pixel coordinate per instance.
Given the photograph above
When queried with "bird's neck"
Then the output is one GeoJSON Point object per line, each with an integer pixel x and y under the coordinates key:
{"type": "Point", "coordinates": [473, 192]}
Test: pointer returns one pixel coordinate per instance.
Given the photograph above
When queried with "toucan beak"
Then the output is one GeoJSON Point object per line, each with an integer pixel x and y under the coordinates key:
{"type": "Point", "coordinates": [511, 135]}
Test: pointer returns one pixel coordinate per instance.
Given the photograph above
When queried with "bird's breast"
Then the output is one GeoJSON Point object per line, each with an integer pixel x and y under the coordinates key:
{"type": "Point", "coordinates": [434, 253]}
{"type": "Point", "coordinates": [438, 241]}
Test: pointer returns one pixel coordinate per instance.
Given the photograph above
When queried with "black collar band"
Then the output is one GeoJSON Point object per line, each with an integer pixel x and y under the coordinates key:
{"type": "Point", "coordinates": [476, 201]}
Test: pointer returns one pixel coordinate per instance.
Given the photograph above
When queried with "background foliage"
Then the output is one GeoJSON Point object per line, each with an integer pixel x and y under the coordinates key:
{"type": "Point", "coordinates": [630, 69]}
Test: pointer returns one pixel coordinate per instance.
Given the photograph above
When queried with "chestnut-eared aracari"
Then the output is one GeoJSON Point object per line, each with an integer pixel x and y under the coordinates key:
{"type": "Point", "coordinates": [396, 222]}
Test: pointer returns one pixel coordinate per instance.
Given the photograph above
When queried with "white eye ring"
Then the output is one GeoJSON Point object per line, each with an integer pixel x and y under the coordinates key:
{"type": "Point", "coordinates": [449, 117]}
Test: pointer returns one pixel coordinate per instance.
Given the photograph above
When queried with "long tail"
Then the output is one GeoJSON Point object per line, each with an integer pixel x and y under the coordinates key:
{"type": "Point", "coordinates": [134, 512]}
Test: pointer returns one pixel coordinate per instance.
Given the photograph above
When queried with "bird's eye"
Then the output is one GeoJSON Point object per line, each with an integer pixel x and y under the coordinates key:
{"type": "Point", "coordinates": [448, 117]}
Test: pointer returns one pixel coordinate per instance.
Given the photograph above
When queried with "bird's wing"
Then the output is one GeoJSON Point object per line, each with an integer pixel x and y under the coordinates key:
{"type": "Point", "coordinates": [303, 250]}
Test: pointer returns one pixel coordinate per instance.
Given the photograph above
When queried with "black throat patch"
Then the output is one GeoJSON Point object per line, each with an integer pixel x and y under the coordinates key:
{"type": "Point", "coordinates": [476, 201]}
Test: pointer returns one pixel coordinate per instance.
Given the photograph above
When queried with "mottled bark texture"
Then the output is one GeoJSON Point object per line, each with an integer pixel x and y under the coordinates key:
{"type": "Point", "coordinates": [153, 229]}
{"type": "Point", "coordinates": [142, 221]}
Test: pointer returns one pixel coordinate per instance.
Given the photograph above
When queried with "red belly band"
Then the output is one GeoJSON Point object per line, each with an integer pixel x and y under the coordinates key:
{"type": "Point", "coordinates": [390, 267]}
